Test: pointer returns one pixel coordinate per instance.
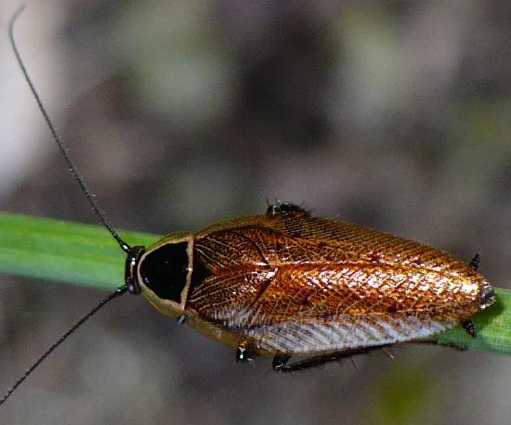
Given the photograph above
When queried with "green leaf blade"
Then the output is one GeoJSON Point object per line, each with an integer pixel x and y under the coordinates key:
{"type": "Point", "coordinates": [493, 328]}
{"type": "Point", "coordinates": [62, 251]}
{"type": "Point", "coordinates": [87, 255]}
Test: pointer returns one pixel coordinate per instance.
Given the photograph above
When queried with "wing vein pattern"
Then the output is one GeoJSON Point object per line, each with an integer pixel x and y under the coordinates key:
{"type": "Point", "coordinates": [301, 284]}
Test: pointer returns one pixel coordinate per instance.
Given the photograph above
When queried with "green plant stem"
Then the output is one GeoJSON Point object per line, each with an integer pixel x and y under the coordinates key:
{"type": "Point", "coordinates": [57, 250]}
{"type": "Point", "coordinates": [88, 256]}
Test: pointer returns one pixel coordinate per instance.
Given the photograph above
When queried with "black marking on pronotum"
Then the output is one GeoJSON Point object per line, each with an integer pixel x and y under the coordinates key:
{"type": "Point", "coordinates": [133, 253]}
{"type": "Point", "coordinates": [167, 264]}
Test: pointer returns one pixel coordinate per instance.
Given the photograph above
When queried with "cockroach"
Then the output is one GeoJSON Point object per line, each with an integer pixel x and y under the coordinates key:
{"type": "Point", "coordinates": [286, 283]}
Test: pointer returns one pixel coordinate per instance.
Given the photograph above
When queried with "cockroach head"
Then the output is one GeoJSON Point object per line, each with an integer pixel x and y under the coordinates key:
{"type": "Point", "coordinates": [130, 270]}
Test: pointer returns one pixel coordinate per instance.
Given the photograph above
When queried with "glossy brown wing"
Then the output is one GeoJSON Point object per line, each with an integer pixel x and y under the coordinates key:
{"type": "Point", "coordinates": [303, 284]}
{"type": "Point", "coordinates": [353, 238]}
{"type": "Point", "coordinates": [289, 313]}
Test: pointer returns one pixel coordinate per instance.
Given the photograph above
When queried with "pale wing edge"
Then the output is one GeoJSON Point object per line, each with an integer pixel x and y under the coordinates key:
{"type": "Point", "coordinates": [293, 337]}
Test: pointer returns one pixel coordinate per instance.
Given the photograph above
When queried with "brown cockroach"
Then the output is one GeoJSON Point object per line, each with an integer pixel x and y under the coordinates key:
{"type": "Point", "coordinates": [287, 283]}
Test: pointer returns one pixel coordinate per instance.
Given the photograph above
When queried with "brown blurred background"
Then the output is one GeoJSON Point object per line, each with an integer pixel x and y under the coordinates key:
{"type": "Point", "coordinates": [394, 114]}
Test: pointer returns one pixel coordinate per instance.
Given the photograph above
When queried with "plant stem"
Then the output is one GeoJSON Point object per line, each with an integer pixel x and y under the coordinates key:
{"type": "Point", "coordinates": [87, 255]}
{"type": "Point", "coordinates": [57, 250]}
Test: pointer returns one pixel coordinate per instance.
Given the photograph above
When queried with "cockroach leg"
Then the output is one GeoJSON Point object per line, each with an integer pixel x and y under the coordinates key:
{"type": "Point", "coordinates": [354, 363]}
{"type": "Point", "coordinates": [280, 362]}
{"type": "Point", "coordinates": [181, 319]}
{"type": "Point", "coordinates": [468, 325]}
{"type": "Point", "coordinates": [388, 352]}
{"type": "Point", "coordinates": [243, 354]}
{"type": "Point", "coordinates": [283, 208]}
{"type": "Point", "coordinates": [453, 346]}
{"type": "Point", "coordinates": [475, 262]}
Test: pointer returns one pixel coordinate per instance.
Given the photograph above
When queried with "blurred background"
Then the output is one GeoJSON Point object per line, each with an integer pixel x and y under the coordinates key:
{"type": "Point", "coordinates": [394, 114]}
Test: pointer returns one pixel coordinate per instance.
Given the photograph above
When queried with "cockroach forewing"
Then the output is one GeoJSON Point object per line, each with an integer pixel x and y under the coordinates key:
{"type": "Point", "coordinates": [294, 283]}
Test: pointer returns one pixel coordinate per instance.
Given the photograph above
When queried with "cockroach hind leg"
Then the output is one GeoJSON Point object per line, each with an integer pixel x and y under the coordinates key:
{"type": "Point", "coordinates": [281, 362]}
{"type": "Point", "coordinates": [475, 262]}
{"type": "Point", "coordinates": [243, 353]}
{"type": "Point", "coordinates": [469, 327]}
{"type": "Point", "coordinates": [448, 345]}
{"type": "Point", "coordinates": [388, 352]}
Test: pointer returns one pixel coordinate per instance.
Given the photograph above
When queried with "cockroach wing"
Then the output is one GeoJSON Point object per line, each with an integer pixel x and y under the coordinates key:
{"type": "Point", "coordinates": [354, 239]}
{"type": "Point", "coordinates": [344, 333]}
{"type": "Point", "coordinates": [365, 241]}
{"type": "Point", "coordinates": [299, 284]}
{"type": "Point", "coordinates": [289, 313]}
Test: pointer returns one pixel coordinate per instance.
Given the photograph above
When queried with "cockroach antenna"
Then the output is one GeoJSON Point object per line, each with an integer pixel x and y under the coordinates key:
{"type": "Point", "coordinates": [90, 198]}
{"type": "Point", "coordinates": [63, 150]}
{"type": "Point", "coordinates": [59, 341]}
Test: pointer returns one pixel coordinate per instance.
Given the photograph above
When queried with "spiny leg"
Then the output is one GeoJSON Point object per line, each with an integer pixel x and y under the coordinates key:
{"type": "Point", "coordinates": [388, 352]}
{"type": "Point", "coordinates": [280, 362]}
{"type": "Point", "coordinates": [475, 262]}
{"type": "Point", "coordinates": [284, 208]}
{"type": "Point", "coordinates": [469, 327]}
{"type": "Point", "coordinates": [244, 353]}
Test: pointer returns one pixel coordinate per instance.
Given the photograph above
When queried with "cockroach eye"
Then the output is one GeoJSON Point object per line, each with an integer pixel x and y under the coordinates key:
{"type": "Point", "coordinates": [130, 269]}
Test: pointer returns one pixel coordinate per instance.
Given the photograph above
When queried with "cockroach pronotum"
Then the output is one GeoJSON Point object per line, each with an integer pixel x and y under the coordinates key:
{"type": "Point", "coordinates": [287, 283]}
